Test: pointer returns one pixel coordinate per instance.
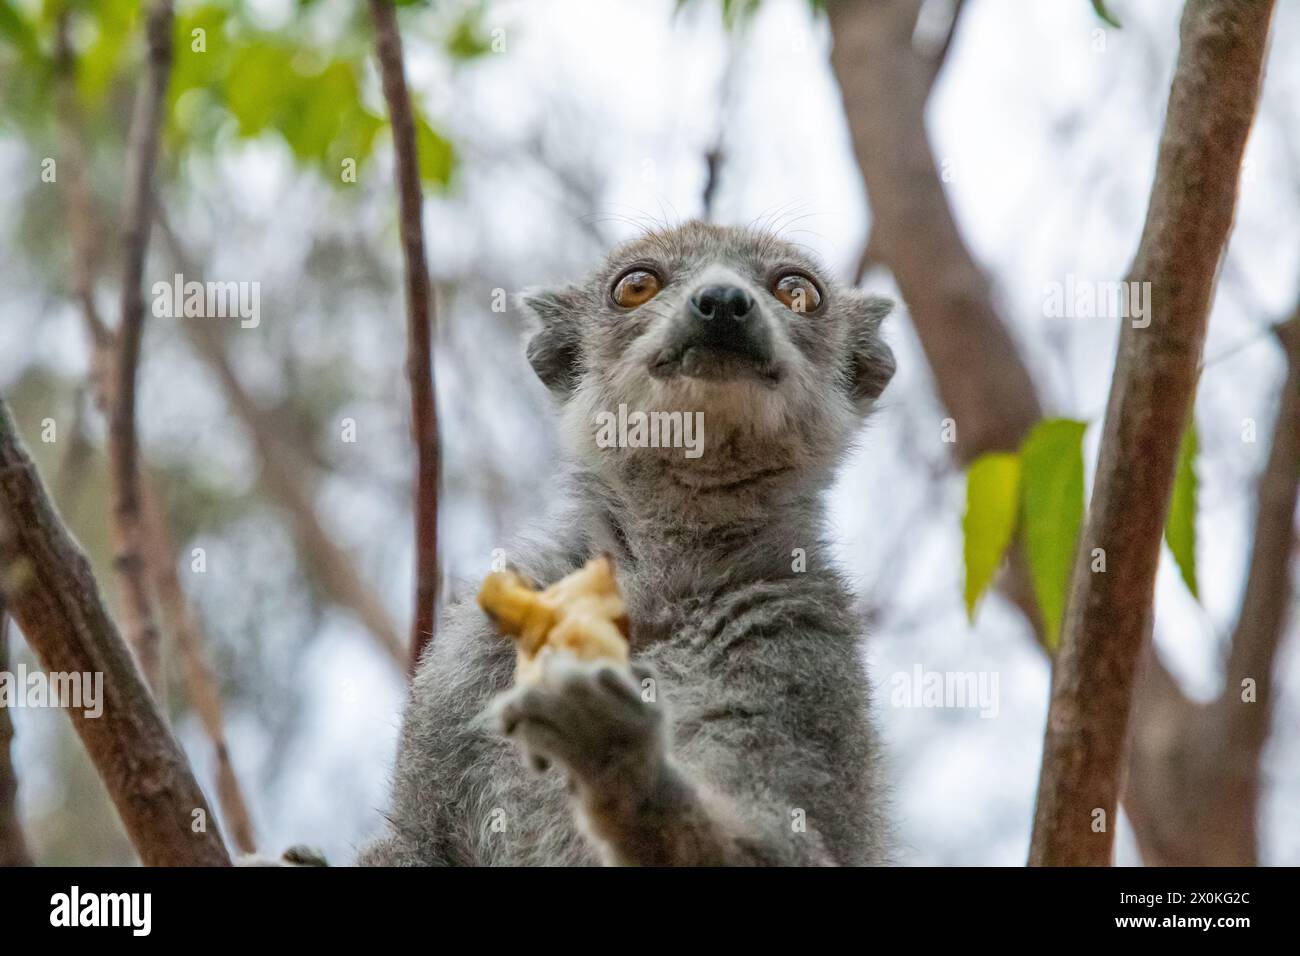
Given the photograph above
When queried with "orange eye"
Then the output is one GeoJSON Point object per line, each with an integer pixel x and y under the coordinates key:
{"type": "Point", "coordinates": [797, 292]}
{"type": "Point", "coordinates": [636, 288]}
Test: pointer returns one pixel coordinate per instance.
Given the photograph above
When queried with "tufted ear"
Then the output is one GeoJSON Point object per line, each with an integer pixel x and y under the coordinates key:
{"type": "Point", "coordinates": [871, 361]}
{"type": "Point", "coordinates": [554, 348]}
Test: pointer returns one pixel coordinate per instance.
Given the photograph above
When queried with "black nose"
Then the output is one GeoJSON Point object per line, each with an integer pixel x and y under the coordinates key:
{"type": "Point", "coordinates": [721, 304]}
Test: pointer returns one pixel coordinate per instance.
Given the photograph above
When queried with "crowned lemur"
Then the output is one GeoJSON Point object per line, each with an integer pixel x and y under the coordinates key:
{"type": "Point", "coordinates": [741, 734]}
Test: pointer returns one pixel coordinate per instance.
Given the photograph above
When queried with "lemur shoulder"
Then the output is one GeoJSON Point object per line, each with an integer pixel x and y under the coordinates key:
{"type": "Point", "coordinates": [743, 734]}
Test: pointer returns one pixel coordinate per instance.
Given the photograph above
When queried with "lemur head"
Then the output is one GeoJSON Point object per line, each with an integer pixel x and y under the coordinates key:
{"type": "Point", "coordinates": [737, 325]}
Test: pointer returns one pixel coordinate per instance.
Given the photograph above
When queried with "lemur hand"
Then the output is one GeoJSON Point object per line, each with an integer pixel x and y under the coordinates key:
{"type": "Point", "coordinates": [598, 720]}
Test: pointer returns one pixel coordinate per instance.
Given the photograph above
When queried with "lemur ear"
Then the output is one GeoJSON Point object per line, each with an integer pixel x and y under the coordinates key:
{"type": "Point", "coordinates": [554, 349]}
{"type": "Point", "coordinates": [871, 361]}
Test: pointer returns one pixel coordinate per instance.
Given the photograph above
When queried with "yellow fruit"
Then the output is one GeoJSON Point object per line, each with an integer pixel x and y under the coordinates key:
{"type": "Point", "coordinates": [582, 613]}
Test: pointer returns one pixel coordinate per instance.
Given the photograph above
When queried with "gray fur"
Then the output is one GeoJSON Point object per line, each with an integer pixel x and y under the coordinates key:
{"type": "Point", "coordinates": [747, 711]}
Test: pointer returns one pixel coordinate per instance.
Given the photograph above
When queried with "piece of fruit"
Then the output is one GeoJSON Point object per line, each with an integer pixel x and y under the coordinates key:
{"type": "Point", "coordinates": [582, 613]}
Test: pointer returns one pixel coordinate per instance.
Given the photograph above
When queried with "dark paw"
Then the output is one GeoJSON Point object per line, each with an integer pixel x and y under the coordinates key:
{"type": "Point", "coordinates": [588, 716]}
{"type": "Point", "coordinates": [302, 855]}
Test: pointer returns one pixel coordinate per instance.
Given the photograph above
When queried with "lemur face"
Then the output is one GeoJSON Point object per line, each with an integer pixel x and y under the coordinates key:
{"type": "Point", "coordinates": [737, 324]}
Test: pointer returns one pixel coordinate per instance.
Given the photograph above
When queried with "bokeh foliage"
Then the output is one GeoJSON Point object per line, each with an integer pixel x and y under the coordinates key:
{"type": "Point", "coordinates": [309, 81]}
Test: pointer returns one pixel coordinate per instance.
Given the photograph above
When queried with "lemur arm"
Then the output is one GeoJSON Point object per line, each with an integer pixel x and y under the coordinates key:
{"type": "Point", "coordinates": [670, 819]}
{"type": "Point", "coordinates": [644, 807]}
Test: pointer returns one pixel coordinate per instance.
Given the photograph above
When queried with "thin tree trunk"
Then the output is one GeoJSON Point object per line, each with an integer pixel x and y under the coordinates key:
{"type": "Point", "coordinates": [874, 48]}
{"type": "Point", "coordinates": [80, 206]}
{"type": "Point", "coordinates": [1194, 779]}
{"type": "Point", "coordinates": [13, 845]}
{"type": "Point", "coordinates": [159, 551]}
{"type": "Point", "coordinates": [419, 315]}
{"type": "Point", "coordinates": [979, 375]}
{"type": "Point", "coordinates": [1211, 108]}
{"type": "Point", "coordinates": [1264, 607]}
{"type": "Point", "coordinates": [885, 81]}
{"type": "Point", "coordinates": [123, 451]}
{"type": "Point", "coordinates": [183, 624]}
{"type": "Point", "coordinates": [47, 584]}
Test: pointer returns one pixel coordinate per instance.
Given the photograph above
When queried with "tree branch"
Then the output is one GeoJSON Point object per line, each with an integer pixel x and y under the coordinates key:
{"type": "Point", "coordinates": [1194, 784]}
{"type": "Point", "coordinates": [1165, 768]}
{"type": "Point", "coordinates": [940, 54]}
{"type": "Point", "coordinates": [282, 477]}
{"type": "Point", "coordinates": [981, 378]}
{"type": "Point", "coordinates": [48, 586]}
{"type": "Point", "coordinates": [123, 452]}
{"type": "Point", "coordinates": [419, 315]}
{"type": "Point", "coordinates": [80, 206]}
{"type": "Point", "coordinates": [1211, 107]}
{"type": "Point", "coordinates": [160, 555]}
{"type": "Point", "coordinates": [1264, 607]}
{"type": "Point", "coordinates": [159, 551]}
{"type": "Point", "coordinates": [869, 60]}
{"type": "Point", "coordinates": [13, 845]}
{"type": "Point", "coordinates": [885, 82]}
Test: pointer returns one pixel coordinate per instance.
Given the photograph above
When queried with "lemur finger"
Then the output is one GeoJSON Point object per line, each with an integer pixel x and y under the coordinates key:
{"type": "Point", "coordinates": [596, 694]}
{"type": "Point", "coordinates": [642, 672]}
{"type": "Point", "coordinates": [541, 742]}
{"type": "Point", "coordinates": [618, 684]}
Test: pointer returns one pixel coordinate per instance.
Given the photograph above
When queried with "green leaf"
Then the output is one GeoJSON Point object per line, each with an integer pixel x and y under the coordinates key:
{"type": "Point", "coordinates": [17, 30]}
{"type": "Point", "coordinates": [735, 12]}
{"type": "Point", "coordinates": [1180, 529]}
{"type": "Point", "coordinates": [192, 69]}
{"type": "Point", "coordinates": [1052, 508]}
{"type": "Point", "coordinates": [314, 123]}
{"type": "Point", "coordinates": [992, 491]}
{"type": "Point", "coordinates": [115, 24]}
{"type": "Point", "coordinates": [260, 79]}
{"type": "Point", "coordinates": [468, 40]}
{"type": "Point", "coordinates": [1099, 6]}
{"type": "Point", "coordinates": [355, 140]}
{"type": "Point", "coordinates": [437, 158]}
